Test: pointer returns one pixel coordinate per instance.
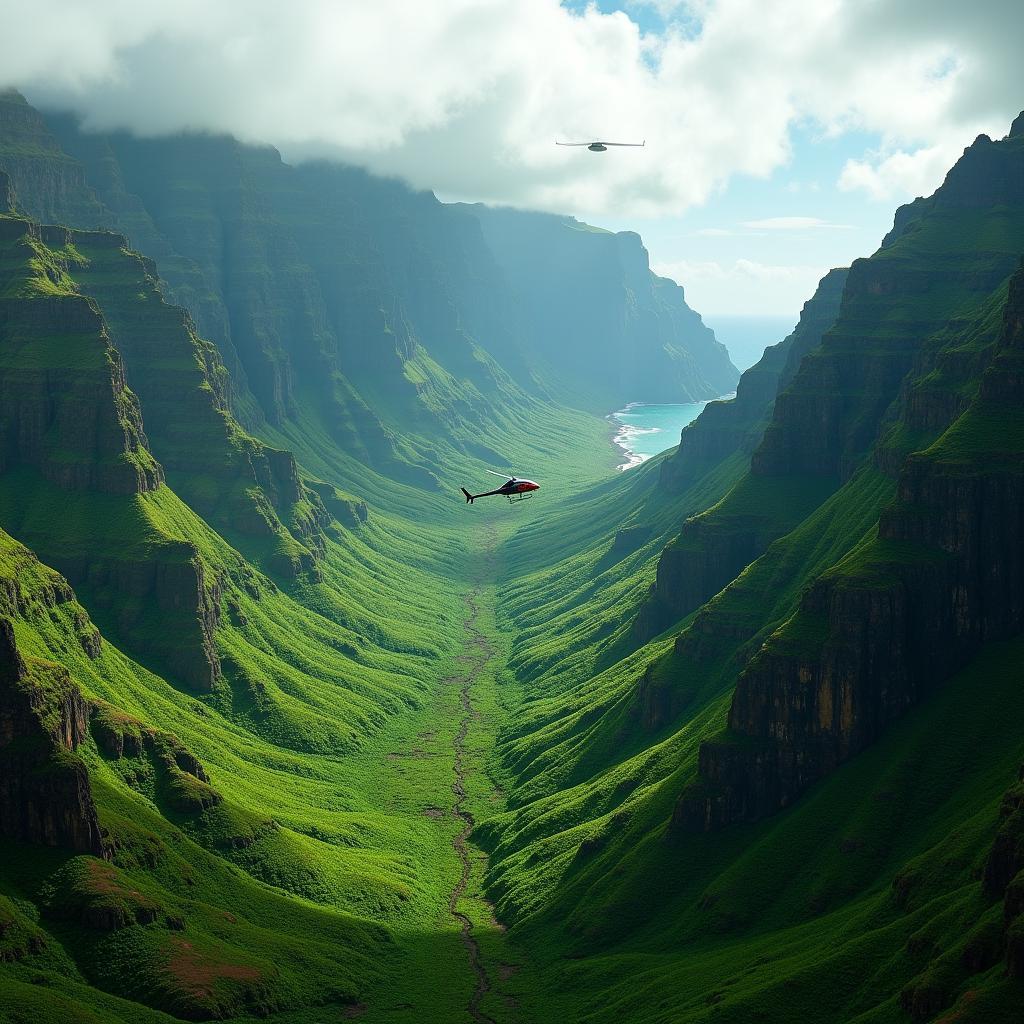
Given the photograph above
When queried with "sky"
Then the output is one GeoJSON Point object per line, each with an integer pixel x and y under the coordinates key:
{"type": "Point", "coordinates": [780, 134]}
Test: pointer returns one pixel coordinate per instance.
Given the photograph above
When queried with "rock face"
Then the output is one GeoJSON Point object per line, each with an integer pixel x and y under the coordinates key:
{"type": "Point", "coordinates": [885, 626]}
{"type": "Point", "coordinates": [235, 482]}
{"type": "Point", "coordinates": [67, 413]}
{"type": "Point", "coordinates": [827, 420]}
{"type": "Point", "coordinates": [181, 781]}
{"type": "Point", "coordinates": [45, 795]}
{"type": "Point", "coordinates": [51, 186]}
{"type": "Point", "coordinates": [173, 584]}
{"type": "Point", "coordinates": [592, 305]}
{"type": "Point", "coordinates": [946, 255]}
{"type": "Point", "coordinates": [713, 548]}
{"type": "Point", "coordinates": [737, 425]}
{"type": "Point", "coordinates": [64, 410]}
{"type": "Point", "coordinates": [6, 193]}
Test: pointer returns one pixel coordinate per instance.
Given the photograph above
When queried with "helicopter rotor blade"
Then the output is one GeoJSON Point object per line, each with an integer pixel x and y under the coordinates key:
{"type": "Point", "coordinates": [504, 476]}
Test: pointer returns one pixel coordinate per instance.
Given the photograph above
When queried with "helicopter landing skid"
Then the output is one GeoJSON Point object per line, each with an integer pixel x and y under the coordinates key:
{"type": "Point", "coordinates": [521, 497]}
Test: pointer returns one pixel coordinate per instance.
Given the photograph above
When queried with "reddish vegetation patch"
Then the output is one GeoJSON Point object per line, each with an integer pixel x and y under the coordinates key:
{"type": "Point", "coordinates": [356, 1010]}
{"type": "Point", "coordinates": [505, 971]}
{"type": "Point", "coordinates": [197, 973]}
{"type": "Point", "coordinates": [433, 812]}
{"type": "Point", "coordinates": [103, 878]}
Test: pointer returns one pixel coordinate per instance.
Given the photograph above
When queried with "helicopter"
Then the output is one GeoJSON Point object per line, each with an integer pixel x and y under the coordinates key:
{"type": "Point", "coordinates": [600, 147]}
{"type": "Point", "coordinates": [513, 488]}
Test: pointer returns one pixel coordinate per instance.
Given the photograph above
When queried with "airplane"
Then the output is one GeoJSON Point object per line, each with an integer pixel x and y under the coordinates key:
{"type": "Point", "coordinates": [600, 147]}
{"type": "Point", "coordinates": [513, 489]}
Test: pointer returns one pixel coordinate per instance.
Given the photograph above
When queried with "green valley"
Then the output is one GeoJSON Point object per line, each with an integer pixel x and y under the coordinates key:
{"type": "Point", "coordinates": [290, 732]}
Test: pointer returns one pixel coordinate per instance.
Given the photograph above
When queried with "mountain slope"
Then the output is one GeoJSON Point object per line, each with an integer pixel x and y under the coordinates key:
{"type": "Point", "coordinates": [869, 654]}
{"type": "Point", "coordinates": [586, 294]}
{"type": "Point", "coordinates": [379, 317]}
{"type": "Point", "coordinates": [236, 703]}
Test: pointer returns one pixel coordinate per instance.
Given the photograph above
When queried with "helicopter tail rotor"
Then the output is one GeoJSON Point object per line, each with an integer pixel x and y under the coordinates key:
{"type": "Point", "coordinates": [469, 497]}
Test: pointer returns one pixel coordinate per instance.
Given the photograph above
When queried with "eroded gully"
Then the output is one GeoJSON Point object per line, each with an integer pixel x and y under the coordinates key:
{"type": "Point", "coordinates": [479, 652]}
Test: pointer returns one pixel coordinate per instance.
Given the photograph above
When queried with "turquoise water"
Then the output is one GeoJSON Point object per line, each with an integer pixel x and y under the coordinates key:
{"type": "Point", "coordinates": [646, 430]}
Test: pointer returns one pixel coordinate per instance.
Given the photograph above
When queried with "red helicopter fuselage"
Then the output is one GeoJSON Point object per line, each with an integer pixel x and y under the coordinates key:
{"type": "Point", "coordinates": [514, 490]}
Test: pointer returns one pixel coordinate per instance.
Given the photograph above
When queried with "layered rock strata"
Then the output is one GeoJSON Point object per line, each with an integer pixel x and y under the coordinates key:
{"type": "Point", "coordinates": [45, 796]}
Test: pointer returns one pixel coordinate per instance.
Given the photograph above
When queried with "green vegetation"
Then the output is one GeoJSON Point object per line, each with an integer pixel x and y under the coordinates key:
{"type": "Point", "coordinates": [296, 680]}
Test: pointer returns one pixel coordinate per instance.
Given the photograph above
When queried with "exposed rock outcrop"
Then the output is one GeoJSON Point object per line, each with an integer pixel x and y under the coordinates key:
{"type": "Point", "coordinates": [182, 783]}
{"type": "Point", "coordinates": [65, 410]}
{"type": "Point", "coordinates": [45, 796]}
{"type": "Point", "coordinates": [886, 625]}
{"type": "Point", "coordinates": [597, 315]}
{"type": "Point", "coordinates": [50, 186]}
{"type": "Point", "coordinates": [737, 425]}
{"type": "Point", "coordinates": [28, 588]}
{"type": "Point", "coordinates": [175, 584]}
{"type": "Point", "coordinates": [6, 193]}
{"type": "Point", "coordinates": [233, 480]}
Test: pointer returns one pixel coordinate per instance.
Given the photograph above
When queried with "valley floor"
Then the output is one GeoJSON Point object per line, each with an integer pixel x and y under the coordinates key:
{"type": "Point", "coordinates": [456, 964]}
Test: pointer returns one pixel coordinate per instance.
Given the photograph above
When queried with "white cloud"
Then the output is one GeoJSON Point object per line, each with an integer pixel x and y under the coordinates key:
{"type": "Point", "coordinates": [899, 174]}
{"type": "Point", "coordinates": [467, 96]}
{"type": "Point", "coordinates": [742, 285]}
{"type": "Point", "coordinates": [792, 224]}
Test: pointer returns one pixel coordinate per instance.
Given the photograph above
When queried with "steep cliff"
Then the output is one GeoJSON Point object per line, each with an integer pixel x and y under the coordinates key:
{"type": "Point", "coordinates": [75, 462]}
{"type": "Point", "coordinates": [45, 796]}
{"type": "Point", "coordinates": [6, 193]}
{"type": "Point", "coordinates": [52, 186]}
{"type": "Point", "coordinates": [950, 256]}
{"type": "Point", "coordinates": [66, 409]}
{"type": "Point", "coordinates": [234, 481]}
{"type": "Point", "coordinates": [930, 277]}
{"type": "Point", "coordinates": [902, 612]}
{"type": "Point", "coordinates": [738, 424]}
{"type": "Point", "coordinates": [605, 326]}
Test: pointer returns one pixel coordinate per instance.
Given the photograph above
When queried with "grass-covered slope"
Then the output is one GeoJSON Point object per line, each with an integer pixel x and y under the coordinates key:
{"type": "Point", "coordinates": [252, 727]}
{"type": "Point", "coordinates": [352, 309]}
{"type": "Point", "coordinates": [868, 660]}
{"type": "Point", "coordinates": [147, 914]}
{"type": "Point", "coordinates": [261, 846]}
{"type": "Point", "coordinates": [936, 272]}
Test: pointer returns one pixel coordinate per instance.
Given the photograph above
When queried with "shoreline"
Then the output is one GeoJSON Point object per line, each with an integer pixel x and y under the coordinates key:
{"type": "Point", "coordinates": [623, 433]}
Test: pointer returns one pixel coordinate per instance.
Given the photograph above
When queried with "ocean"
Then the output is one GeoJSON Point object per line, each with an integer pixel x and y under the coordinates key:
{"type": "Point", "coordinates": [746, 337]}
{"type": "Point", "coordinates": [646, 430]}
